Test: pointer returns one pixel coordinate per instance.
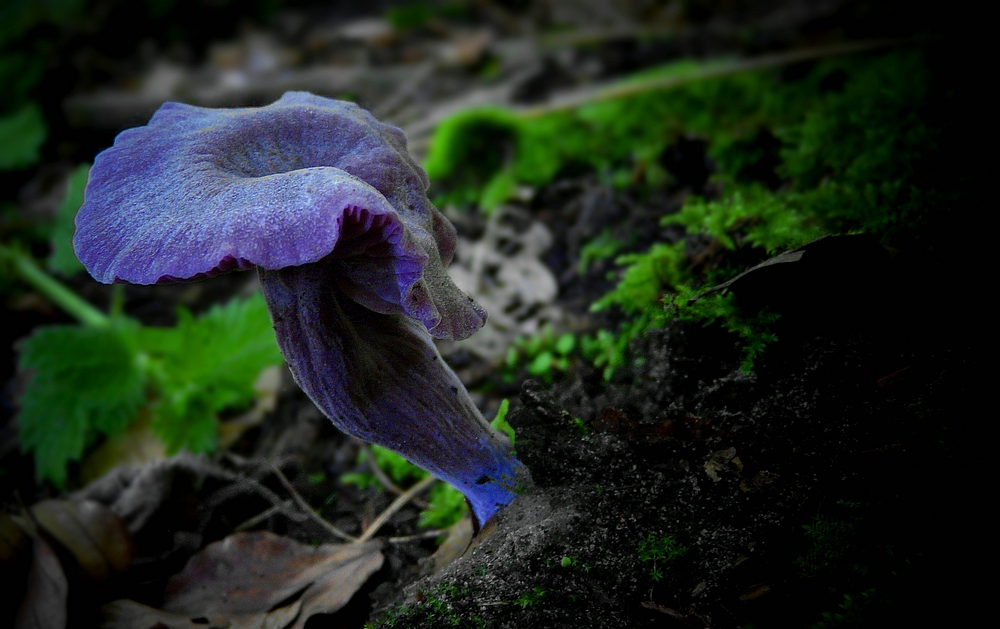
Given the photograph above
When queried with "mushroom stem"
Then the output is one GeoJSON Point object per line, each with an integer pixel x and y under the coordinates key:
{"type": "Point", "coordinates": [379, 377]}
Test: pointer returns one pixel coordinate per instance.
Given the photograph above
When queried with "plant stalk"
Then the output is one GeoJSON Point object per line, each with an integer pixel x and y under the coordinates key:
{"type": "Point", "coordinates": [54, 290]}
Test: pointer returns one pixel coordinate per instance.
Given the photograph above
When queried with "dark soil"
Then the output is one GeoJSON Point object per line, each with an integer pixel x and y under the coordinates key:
{"type": "Point", "coordinates": [855, 425]}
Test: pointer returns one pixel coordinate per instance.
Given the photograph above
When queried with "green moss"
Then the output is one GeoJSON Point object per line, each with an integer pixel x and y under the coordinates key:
{"type": "Point", "coordinates": [531, 598]}
{"type": "Point", "coordinates": [831, 542]}
{"type": "Point", "coordinates": [437, 608]}
{"type": "Point", "coordinates": [843, 148]}
{"type": "Point", "coordinates": [850, 159]}
{"type": "Point", "coordinates": [604, 246]}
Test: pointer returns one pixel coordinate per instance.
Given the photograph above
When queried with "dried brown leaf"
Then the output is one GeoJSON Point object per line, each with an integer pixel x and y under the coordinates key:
{"type": "Point", "coordinates": [251, 573]}
{"type": "Point", "coordinates": [44, 602]}
{"type": "Point", "coordinates": [95, 536]}
{"type": "Point", "coordinates": [128, 614]}
{"type": "Point", "coordinates": [137, 445]}
{"type": "Point", "coordinates": [14, 542]}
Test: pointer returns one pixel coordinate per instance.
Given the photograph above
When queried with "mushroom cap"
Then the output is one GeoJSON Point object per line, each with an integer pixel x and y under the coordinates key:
{"type": "Point", "coordinates": [198, 192]}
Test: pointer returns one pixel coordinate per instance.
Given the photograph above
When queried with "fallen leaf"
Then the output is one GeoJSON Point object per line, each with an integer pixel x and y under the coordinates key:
{"type": "Point", "coordinates": [755, 592]}
{"type": "Point", "coordinates": [454, 546]}
{"type": "Point", "coordinates": [250, 573]}
{"type": "Point", "coordinates": [136, 493]}
{"type": "Point", "coordinates": [720, 460]}
{"type": "Point", "coordinates": [44, 602]}
{"type": "Point", "coordinates": [14, 542]}
{"type": "Point", "coordinates": [137, 445]}
{"type": "Point", "coordinates": [96, 537]}
{"type": "Point", "coordinates": [128, 614]}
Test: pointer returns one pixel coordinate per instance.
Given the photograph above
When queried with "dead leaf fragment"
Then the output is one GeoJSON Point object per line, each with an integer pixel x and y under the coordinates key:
{"type": "Point", "coordinates": [128, 614]}
{"type": "Point", "coordinates": [137, 445]}
{"type": "Point", "coordinates": [720, 460]}
{"type": "Point", "coordinates": [755, 592]}
{"type": "Point", "coordinates": [95, 536]}
{"type": "Point", "coordinates": [44, 602]}
{"type": "Point", "coordinates": [459, 537]}
{"type": "Point", "coordinates": [14, 542]}
{"type": "Point", "coordinates": [250, 573]}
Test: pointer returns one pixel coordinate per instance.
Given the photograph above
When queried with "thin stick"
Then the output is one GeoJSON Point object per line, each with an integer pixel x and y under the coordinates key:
{"type": "Point", "coordinates": [378, 472]}
{"type": "Point", "coordinates": [418, 536]}
{"type": "Point", "coordinates": [307, 508]}
{"type": "Point", "coordinates": [396, 505]}
{"type": "Point", "coordinates": [263, 515]}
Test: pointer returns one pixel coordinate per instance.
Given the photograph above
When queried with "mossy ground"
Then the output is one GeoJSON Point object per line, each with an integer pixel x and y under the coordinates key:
{"type": "Point", "coordinates": [803, 491]}
{"type": "Point", "coordinates": [795, 490]}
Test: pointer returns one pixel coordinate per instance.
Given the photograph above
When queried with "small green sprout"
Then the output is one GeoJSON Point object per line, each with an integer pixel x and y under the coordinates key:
{"type": "Point", "coordinates": [530, 599]}
{"type": "Point", "coordinates": [660, 551]}
{"type": "Point", "coordinates": [542, 355]}
{"type": "Point", "coordinates": [500, 420]}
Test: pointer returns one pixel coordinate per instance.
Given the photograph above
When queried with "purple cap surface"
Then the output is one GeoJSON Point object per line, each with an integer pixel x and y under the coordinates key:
{"type": "Point", "coordinates": [198, 192]}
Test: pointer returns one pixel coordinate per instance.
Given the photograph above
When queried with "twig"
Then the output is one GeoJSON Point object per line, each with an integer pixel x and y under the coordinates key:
{"type": "Point", "coordinates": [396, 505]}
{"type": "Point", "coordinates": [263, 515]}
{"type": "Point", "coordinates": [383, 478]}
{"type": "Point", "coordinates": [378, 472]}
{"type": "Point", "coordinates": [242, 484]}
{"type": "Point", "coordinates": [307, 508]}
{"type": "Point", "coordinates": [418, 536]}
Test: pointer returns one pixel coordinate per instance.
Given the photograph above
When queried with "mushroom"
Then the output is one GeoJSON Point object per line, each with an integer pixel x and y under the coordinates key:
{"type": "Point", "coordinates": [328, 205]}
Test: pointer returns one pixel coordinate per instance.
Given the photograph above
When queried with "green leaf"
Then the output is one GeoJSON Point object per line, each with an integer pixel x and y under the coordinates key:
{"type": "Point", "coordinates": [446, 505]}
{"type": "Point", "coordinates": [22, 135]}
{"type": "Point", "coordinates": [84, 382]}
{"type": "Point", "coordinates": [541, 365]}
{"type": "Point", "coordinates": [565, 344]}
{"type": "Point", "coordinates": [185, 421]}
{"type": "Point", "coordinates": [206, 365]}
{"type": "Point", "coordinates": [62, 258]}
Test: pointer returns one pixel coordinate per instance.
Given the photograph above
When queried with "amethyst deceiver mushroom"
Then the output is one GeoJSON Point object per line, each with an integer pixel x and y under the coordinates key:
{"type": "Point", "coordinates": [328, 205]}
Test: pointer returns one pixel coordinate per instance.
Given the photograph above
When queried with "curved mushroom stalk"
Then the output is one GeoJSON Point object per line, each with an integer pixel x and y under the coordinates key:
{"type": "Point", "coordinates": [326, 202]}
{"type": "Point", "coordinates": [380, 377]}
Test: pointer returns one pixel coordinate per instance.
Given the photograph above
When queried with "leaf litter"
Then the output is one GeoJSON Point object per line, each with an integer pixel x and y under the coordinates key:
{"type": "Point", "coordinates": [256, 579]}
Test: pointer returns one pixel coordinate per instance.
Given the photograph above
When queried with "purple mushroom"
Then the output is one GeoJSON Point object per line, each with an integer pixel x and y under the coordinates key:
{"type": "Point", "coordinates": [328, 205]}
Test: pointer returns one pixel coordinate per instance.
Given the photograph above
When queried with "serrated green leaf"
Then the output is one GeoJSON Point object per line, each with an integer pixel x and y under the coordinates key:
{"type": "Point", "coordinates": [185, 422]}
{"type": "Point", "coordinates": [85, 381]}
{"type": "Point", "coordinates": [226, 349]}
{"type": "Point", "coordinates": [22, 135]}
{"type": "Point", "coordinates": [206, 365]}
{"type": "Point", "coordinates": [62, 258]}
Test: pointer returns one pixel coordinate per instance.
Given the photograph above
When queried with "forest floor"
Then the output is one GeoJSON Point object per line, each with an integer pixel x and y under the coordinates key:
{"type": "Point", "coordinates": [823, 488]}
